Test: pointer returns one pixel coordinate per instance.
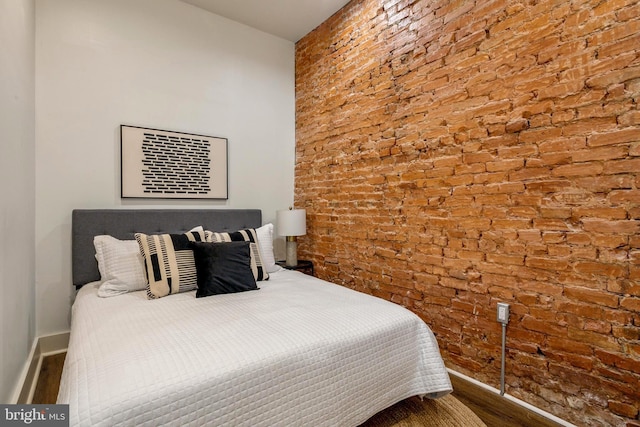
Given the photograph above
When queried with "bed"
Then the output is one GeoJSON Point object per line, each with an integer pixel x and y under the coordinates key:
{"type": "Point", "coordinates": [297, 351]}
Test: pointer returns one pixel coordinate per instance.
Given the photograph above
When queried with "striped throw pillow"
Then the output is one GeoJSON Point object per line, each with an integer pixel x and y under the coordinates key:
{"type": "Point", "coordinates": [169, 262]}
{"type": "Point", "coordinates": [247, 235]}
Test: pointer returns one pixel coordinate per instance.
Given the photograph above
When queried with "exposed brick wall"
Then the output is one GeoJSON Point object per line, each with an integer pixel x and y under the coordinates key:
{"type": "Point", "coordinates": [455, 154]}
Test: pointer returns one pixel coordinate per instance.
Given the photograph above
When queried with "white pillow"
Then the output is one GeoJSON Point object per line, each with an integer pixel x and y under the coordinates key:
{"type": "Point", "coordinates": [120, 265]}
{"type": "Point", "coordinates": [265, 243]}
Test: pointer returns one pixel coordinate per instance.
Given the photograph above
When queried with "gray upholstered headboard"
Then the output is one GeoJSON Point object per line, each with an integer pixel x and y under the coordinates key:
{"type": "Point", "coordinates": [123, 223]}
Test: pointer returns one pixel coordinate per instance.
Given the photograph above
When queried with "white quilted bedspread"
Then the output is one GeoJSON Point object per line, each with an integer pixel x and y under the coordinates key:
{"type": "Point", "coordinates": [297, 352]}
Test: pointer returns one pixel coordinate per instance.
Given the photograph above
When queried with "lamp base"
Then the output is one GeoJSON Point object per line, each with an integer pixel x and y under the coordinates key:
{"type": "Point", "coordinates": [292, 251]}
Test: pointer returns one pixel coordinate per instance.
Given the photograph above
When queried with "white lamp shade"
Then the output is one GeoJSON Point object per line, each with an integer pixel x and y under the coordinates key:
{"type": "Point", "coordinates": [292, 222]}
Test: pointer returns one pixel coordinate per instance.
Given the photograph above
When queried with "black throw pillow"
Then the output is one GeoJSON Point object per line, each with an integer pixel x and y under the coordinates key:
{"type": "Point", "coordinates": [223, 268]}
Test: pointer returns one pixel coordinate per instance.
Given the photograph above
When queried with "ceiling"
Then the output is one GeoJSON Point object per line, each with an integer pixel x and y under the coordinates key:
{"type": "Point", "coordinates": [288, 19]}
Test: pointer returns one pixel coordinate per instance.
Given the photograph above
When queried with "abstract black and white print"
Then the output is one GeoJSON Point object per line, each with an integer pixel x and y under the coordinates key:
{"type": "Point", "coordinates": [175, 165]}
{"type": "Point", "coordinates": [164, 164]}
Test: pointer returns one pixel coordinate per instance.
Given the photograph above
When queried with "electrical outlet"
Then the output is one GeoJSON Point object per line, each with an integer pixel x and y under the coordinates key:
{"type": "Point", "coordinates": [503, 313]}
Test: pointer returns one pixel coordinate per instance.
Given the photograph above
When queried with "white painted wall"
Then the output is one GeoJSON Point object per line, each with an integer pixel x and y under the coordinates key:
{"type": "Point", "coordinates": [154, 63]}
{"type": "Point", "coordinates": [17, 186]}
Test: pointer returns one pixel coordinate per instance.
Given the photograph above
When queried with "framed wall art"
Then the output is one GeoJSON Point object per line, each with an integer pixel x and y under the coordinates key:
{"type": "Point", "coordinates": [172, 165]}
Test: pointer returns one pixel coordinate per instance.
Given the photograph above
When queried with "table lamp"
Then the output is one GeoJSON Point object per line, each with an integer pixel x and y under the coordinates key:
{"type": "Point", "coordinates": [291, 223]}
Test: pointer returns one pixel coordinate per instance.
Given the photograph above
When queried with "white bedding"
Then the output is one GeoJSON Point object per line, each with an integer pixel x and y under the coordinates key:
{"type": "Point", "coordinates": [297, 352]}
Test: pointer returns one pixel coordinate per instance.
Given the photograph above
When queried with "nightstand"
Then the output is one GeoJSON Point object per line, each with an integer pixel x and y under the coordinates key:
{"type": "Point", "coordinates": [303, 265]}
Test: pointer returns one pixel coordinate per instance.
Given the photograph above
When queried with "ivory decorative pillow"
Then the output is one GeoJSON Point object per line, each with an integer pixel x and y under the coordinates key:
{"type": "Point", "coordinates": [169, 262]}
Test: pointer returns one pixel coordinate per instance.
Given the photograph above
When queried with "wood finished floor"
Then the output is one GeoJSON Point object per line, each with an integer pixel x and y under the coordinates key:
{"type": "Point", "coordinates": [493, 409]}
{"type": "Point", "coordinates": [49, 379]}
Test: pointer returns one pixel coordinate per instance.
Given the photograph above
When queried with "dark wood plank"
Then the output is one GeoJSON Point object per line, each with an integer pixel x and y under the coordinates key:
{"type": "Point", "coordinates": [49, 379]}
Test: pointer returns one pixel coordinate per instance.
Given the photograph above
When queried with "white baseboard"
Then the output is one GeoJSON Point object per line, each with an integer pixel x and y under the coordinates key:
{"type": "Point", "coordinates": [42, 346]}
{"type": "Point", "coordinates": [20, 395]}
{"type": "Point", "coordinates": [511, 399]}
{"type": "Point", "coordinates": [54, 344]}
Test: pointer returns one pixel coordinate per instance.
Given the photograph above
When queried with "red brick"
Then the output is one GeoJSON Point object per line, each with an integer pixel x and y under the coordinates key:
{"type": "Point", "coordinates": [630, 333]}
{"type": "Point", "coordinates": [624, 409]}
{"type": "Point", "coordinates": [589, 126]}
{"type": "Point", "coordinates": [546, 263]}
{"type": "Point", "coordinates": [617, 137]}
{"type": "Point", "coordinates": [561, 90]}
{"type": "Point", "coordinates": [603, 153]}
{"type": "Point", "coordinates": [592, 296]}
{"type": "Point", "coordinates": [629, 118]}
{"type": "Point", "coordinates": [622, 166]}
{"type": "Point", "coordinates": [602, 341]}
{"type": "Point", "coordinates": [617, 76]}
{"type": "Point", "coordinates": [551, 224]}
{"type": "Point", "coordinates": [548, 186]}
{"type": "Point", "coordinates": [630, 303]}
{"type": "Point", "coordinates": [530, 174]}
{"type": "Point", "coordinates": [585, 362]}
{"type": "Point", "coordinates": [581, 169]}
{"type": "Point", "coordinates": [484, 150]}
{"type": "Point", "coordinates": [563, 144]}
{"type": "Point", "coordinates": [604, 183]}
{"type": "Point", "coordinates": [618, 360]}
{"type": "Point", "coordinates": [605, 226]}
{"type": "Point", "coordinates": [605, 212]}
{"type": "Point", "coordinates": [517, 125]}
{"type": "Point", "coordinates": [537, 135]}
